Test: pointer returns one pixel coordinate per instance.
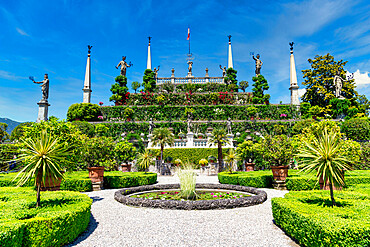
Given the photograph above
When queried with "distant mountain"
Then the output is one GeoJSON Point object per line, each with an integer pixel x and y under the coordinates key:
{"type": "Point", "coordinates": [11, 124]}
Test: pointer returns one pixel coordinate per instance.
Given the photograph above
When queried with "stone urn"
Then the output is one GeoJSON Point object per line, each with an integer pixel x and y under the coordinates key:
{"type": "Point", "coordinates": [249, 167]}
{"type": "Point", "coordinates": [50, 184]}
{"type": "Point", "coordinates": [126, 167]}
{"type": "Point", "coordinates": [96, 174]}
{"type": "Point", "coordinates": [280, 173]}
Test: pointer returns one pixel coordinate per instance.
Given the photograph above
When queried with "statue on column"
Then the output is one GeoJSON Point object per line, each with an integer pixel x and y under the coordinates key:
{"type": "Point", "coordinates": [189, 124]}
{"type": "Point", "coordinates": [156, 71]}
{"type": "Point", "coordinates": [223, 70]}
{"type": "Point", "coordinates": [151, 126]}
{"type": "Point", "coordinates": [44, 87]}
{"type": "Point", "coordinates": [123, 65]}
{"type": "Point", "coordinates": [338, 82]}
{"type": "Point", "coordinates": [229, 126]}
{"type": "Point", "coordinates": [258, 64]}
{"type": "Point", "coordinates": [190, 68]}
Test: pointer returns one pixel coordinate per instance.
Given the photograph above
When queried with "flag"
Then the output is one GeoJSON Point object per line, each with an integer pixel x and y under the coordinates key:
{"type": "Point", "coordinates": [188, 33]}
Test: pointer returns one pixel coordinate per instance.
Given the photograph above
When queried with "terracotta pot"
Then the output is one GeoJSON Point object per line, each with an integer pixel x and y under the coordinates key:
{"type": "Point", "coordinates": [50, 184]}
{"type": "Point", "coordinates": [279, 172]}
{"type": "Point", "coordinates": [126, 167]}
{"type": "Point", "coordinates": [326, 185]}
{"type": "Point", "coordinates": [249, 167]}
{"type": "Point", "coordinates": [96, 174]}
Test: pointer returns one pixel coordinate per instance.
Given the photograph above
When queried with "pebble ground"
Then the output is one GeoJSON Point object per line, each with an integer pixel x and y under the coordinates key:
{"type": "Point", "coordinates": [114, 224]}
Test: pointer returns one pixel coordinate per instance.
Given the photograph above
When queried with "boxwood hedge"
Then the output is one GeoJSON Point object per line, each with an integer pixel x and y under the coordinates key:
{"type": "Point", "coordinates": [307, 217]}
{"type": "Point", "coordinates": [80, 181]}
{"type": "Point", "coordinates": [62, 216]}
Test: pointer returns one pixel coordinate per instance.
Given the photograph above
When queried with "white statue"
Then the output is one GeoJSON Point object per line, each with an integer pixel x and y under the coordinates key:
{"type": "Point", "coordinates": [123, 65]}
{"type": "Point", "coordinates": [44, 87]}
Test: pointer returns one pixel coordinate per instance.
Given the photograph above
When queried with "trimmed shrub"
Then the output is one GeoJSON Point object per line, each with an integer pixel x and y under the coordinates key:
{"type": "Point", "coordinates": [60, 219]}
{"type": "Point", "coordinates": [357, 129]}
{"type": "Point", "coordinates": [83, 112]}
{"type": "Point", "coordinates": [308, 217]}
{"type": "Point", "coordinates": [257, 179]}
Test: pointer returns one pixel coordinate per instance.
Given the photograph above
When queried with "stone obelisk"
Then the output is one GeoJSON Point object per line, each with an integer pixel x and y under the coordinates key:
{"type": "Point", "coordinates": [87, 84]}
{"type": "Point", "coordinates": [149, 61]}
{"type": "Point", "coordinates": [230, 55]}
{"type": "Point", "coordinates": [294, 98]}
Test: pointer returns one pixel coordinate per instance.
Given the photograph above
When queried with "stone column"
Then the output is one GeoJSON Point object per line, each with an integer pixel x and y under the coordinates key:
{"type": "Point", "coordinates": [173, 76]}
{"type": "Point", "coordinates": [230, 55]}
{"type": "Point", "coordinates": [43, 111]}
{"type": "Point", "coordinates": [230, 138]}
{"type": "Point", "coordinates": [87, 84]}
{"type": "Point", "coordinates": [149, 60]}
{"type": "Point", "coordinates": [294, 97]}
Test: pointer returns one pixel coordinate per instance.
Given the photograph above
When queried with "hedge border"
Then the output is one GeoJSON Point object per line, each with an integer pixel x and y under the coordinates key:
{"type": "Point", "coordinates": [49, 229]}
{"type": "Point", "coordinates": [123, 197]}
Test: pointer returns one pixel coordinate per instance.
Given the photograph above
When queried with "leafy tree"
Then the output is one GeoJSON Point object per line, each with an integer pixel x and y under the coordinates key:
{"type": "Point", "coordinates": [219, 138]}
{"type": "Point", "coordinates": [18, 131]}
{"type": "Point", "coordinates": [98, 152]}
{"type": "Point", "coordinates": [119, 90]}
{"type": "Point", "coordinates": [43, 157]}
{"type": "Point", "coordinates": [135, 85]}
{"type": "Point", "coordinates": [162, 137]}
{"type": "Point", "coordinates": [243, 85]}
{"type": "Point", "coordinates": [149, 82]}
{"type": "Point", "coordinates": [339, 107]}
{"type": "Point", "coordinates": [124, 151]}
{"type": "Point", "coordinates": [3, 134]}
{"type": "Point", "coordinates": [320, 88]}
{"type": "Point", "coordinates": [278, 150]}
{"type": "Point", "coordinates": [230, 78]}
{"type": "Point", "coordinates": [260, 84]}
{"type": "Point", "coordinates": [324, 157]}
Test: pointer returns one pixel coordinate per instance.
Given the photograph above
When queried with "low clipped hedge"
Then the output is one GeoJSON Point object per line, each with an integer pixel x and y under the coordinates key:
{"type": "Point", "coordinates": [80, 181]}
{"type": "Point", "coordinates": [307, 217]}
{"type": "Point", "coordinates": [296, 181]}
{"type": "Point", "coordinates": [62, 216]}
{"type": "Point", "coordinates": [257, 179]}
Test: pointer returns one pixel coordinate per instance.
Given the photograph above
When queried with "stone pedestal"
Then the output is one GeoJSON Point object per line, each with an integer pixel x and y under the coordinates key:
{"type": "Point", "coordinates": [190, 140]}
{"type": "Point", "coordinates": [97, 186]}
{"type": "Point", "coordinates": [150, 144]}
{"type": "Point", "coordinates": [230, 137]}
{"type": "Point", "coordinates": [43, 111]}
{"type": "Point", "coordinates": [279, 184]}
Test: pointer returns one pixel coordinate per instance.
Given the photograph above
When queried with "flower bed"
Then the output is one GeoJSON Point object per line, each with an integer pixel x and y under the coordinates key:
{"type": "Point", "coordinates": [308, 218]}
{"type": "Point", "coordinates": [61, 217]}
{"type": "Point", "coordinates": [201, 195]}
{"type": "Point", "coordinates": [123, 196]}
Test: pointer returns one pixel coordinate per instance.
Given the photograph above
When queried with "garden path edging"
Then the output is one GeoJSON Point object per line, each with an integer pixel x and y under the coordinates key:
{"type": "Point", "coordinates": [123, 197]}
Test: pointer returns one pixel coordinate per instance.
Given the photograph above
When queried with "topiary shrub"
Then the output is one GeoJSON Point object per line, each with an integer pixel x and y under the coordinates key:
{"type": "Point", "coordinates": [357, 129]}
{"type": "Point", "coordinates": [83, 112]}
{"type": "Point", "coordinates": [63, 215]}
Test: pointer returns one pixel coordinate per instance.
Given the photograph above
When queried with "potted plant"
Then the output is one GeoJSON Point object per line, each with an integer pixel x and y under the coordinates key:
{"type": "Point", "coordinates": [144, 160]}
{"type": "Point", "coordinates": [97, 153]}
{"type": "Point", "coordinates": [247, 151]}
{"type": "Point", "coordinates": [278, 151]}
{"type": "Point", "coordinates": [181, 135]}
{"type": "Point", "coordinates": [203, 162]}
{"type": "Point", "coordinates": [177, 162]}
{"type": "Point", "coordinates": [125, 152]}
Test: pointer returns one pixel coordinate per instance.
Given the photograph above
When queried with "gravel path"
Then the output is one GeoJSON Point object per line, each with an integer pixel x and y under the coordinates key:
{"type": "Point", "coordinates": [114, 224]}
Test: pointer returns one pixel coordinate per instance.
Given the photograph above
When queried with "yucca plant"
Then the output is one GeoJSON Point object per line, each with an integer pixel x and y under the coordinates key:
{"type": "Point", "coordinates": [42, 156]}
{"type": "Point", "coordinates": [187, 178]}
{"type": "Point", "coordinates": [325, 156]}
{"type": "Point", "coordinates": [231, 158]}
{"type": "Point", "coordinates": [144, 160]}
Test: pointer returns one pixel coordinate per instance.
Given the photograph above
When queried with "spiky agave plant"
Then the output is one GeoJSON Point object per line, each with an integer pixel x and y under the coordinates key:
{"type": "Point", "coordinates": [144, 160]}
{"type": "Point", "coordinates": [325, 156]}
{"type": "Point", "coordinates": [42, 157]}
{"type": "Point", "coordinates": [187, 178]}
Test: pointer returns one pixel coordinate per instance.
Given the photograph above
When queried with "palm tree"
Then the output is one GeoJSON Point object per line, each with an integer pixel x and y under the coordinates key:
{"type": "Point", "coordinates": [325, 156]}
{"type": "Point", "coordinates": [145, 159]}
{"type": "Point", "coordinates": [43, 157]}
{"type": "Point", "coordinates": [162, 137]}
{"type": "Point", "coordinates": [231, 158]}
{"type": "Point", "coordinates": [219, 137]}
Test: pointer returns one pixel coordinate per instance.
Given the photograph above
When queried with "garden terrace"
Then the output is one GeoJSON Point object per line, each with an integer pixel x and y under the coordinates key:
{"type": "Point", "coordinates": [201, 112]}
{"type": "Point", "coordinates": [123, 196]}
{"type": "Point", "coordinates": [62, 216]}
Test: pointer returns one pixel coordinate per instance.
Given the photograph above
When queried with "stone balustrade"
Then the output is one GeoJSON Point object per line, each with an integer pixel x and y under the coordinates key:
{"type": "Point", "coordinates": [184, 80]}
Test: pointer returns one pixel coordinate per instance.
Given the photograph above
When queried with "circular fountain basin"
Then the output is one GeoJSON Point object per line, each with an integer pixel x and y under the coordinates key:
{"type": "Point", "coordinates": [258, 197]}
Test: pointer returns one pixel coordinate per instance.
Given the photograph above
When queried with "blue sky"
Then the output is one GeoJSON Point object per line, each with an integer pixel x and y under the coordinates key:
{"type": "Point", "coordinates": [39, 37]}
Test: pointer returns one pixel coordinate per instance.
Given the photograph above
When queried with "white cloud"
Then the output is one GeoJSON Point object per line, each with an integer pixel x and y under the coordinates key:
{"type": "Point", "coordinates": [361, 79]}
{"type": "Point", "coordinates": [9, 76]}
{"type": "Point", "coordinates": [301, 92]}
{"type": "Point", "coordinates": [21, 32]}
